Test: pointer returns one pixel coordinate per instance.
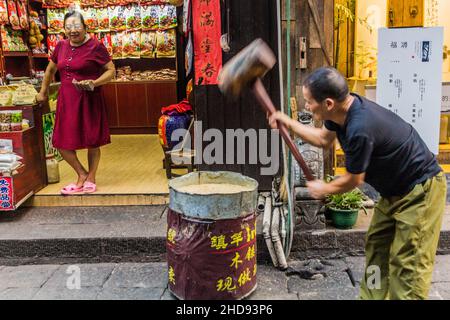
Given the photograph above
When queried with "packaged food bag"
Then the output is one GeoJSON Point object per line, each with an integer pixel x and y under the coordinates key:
{"type": "Point", "coordinates": [3, 12]}
{"type": "Point", "coordinates": [148, 44]}
{"type": "Point", "coordinates": [167, 17]}
{"type": "Point", "coordinates": [117, 44]}
{"type": "Point", "coordinates": [13, 15]}
{"type": "Point", "coordinates": [25, 94]}
{"type": "Point", "coordinates": [166, 44]}
{"type": "Point", "coordinates": [117, 18]}
{"type": "Point", "coordinates": [103, 19]}
{"type": "Point", "coordinates": [150, 17]}
{"type": "Point", "coordinates": [133, 14]}
{"type": "Point", "coordinates": [55, 19]}
{"type": "Point", "coordinates": [23, 14]}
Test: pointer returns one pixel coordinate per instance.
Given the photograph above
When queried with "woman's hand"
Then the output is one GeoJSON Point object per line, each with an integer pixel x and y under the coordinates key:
{"type": "Point", "coordinates": [87, 85]}
{"type": "Point", "coordinates": [279, 116]}
{"type": "Point", "coordinates": [41, 97]}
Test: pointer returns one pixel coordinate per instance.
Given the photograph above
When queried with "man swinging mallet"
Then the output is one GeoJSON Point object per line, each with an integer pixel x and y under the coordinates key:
{"type": "Point", "coordinates": [388, 153]}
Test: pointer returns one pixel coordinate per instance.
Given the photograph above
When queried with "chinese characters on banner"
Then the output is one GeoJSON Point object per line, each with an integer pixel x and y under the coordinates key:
{"type": "Point", "coordinates": [207, 33]}
{"type": "Point", "coordinates": [410, 78]}
{"type": "Point", "coordinates": [211, 260]}
{"type": "Point", "coordinates": [6, 194]}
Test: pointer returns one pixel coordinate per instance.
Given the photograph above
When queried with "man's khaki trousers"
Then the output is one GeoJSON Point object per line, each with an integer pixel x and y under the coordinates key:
{"type": "Point", "coordinates": [402, 241]}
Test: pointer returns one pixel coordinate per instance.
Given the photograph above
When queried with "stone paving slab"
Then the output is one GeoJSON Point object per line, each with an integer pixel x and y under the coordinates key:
{"type": "Point", "coordinates": [54, 293]}
{"type": "Point", "coordinates": [131, 294]}
{"type": "Point", "coordinates": [26, 276]}
{"type": "Point", "coordinates": [18, 293]}
{"type": "Point", "coordinates": [152, 275]}
{"type": "Point", "coordinates": [92, 275]}
{"type": "Point", "coordinates": [304, 280]}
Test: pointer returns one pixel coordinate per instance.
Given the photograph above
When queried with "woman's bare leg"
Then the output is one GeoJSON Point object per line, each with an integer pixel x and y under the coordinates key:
{"type": "Point", "coordinates": [94, 160]}
{"type": "Point", "coordinates": [71, 157]}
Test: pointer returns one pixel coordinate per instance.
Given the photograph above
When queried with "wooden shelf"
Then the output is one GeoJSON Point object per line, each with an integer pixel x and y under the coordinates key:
{"type": "Point", "coordinates": [15, 53]}
{"type": "Point", "coordinates": [145, 81]}
{"type": "Point", "coordinates": [40, 55]}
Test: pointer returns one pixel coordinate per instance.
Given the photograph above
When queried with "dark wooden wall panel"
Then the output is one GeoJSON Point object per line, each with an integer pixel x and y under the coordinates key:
{"type": "Point", "coordinates": [133, 101]}
{"type": "Point", "coordinates": [159, 95]}
{"type": "Point", "coordinates": [250, 19]}
{"type": "Point", "coordinates": [110, 96]}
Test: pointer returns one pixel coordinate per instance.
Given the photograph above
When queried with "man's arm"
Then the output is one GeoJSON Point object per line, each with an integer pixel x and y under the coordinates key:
{"type": "Point", "coordinates": [319, 189]}
{"type": "Point", "coordinates": [318, 137]}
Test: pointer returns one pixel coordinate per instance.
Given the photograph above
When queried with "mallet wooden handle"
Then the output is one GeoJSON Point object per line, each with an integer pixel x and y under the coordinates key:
{"type": "Point", "coordinates": [265, 101]}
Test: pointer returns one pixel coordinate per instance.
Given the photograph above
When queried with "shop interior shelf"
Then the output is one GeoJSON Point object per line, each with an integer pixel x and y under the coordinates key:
{"type": "Point", "coordinates": [15, 53]}
{"type": "Point", "coordinates": [145, 81]}
{"type": "Point", "coordinates": [40, 55]}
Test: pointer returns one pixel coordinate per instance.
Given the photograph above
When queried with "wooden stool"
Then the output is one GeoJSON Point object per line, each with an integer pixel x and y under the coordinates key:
{"type": "Point", "coordinates": [185, 160]}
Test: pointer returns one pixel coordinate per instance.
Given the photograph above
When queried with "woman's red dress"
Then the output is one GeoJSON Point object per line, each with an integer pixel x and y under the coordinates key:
{"type": "Point", "coordinates": [81, 118]}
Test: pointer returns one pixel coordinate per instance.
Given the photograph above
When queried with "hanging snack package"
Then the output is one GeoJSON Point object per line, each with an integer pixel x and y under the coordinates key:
{"type": "Point", "coordinates": [100, 3]}
{"type": "Point", "coordinates": [23, 15]}
{"type": "Point", "coordinates": [13, 15]}
{"type": "Point", "coordinates": [52, 41]}
{"type": "Point", "coordinates": [105, 38]}
{"type": "Point", "coordinates": [103, 19]}
{"type": "Point", "coordinates": [133, 14]}
{"type": "Point", "coordinates": [166, 44]}
{"type": "Point", "coordinates": [148, 44]}
{"type": "Point", "coordinates": [3, 12]}
{"type": "Point", "coordinates": [167, 17]}
{"type": "Point", "coordinates": [131, 44]}
{"type": "Point", "coordinates": [150, 17]}
{"type": "Point", "coordinates": [117, 18]}
{"type": "Point", "coordinates": [90, 17]}
{"type": "Point", "coordinates": [113, 2]}
{"type": "Point", "coordinates": [55, 19]}
{"type": "Point", "coordinates": [116, 42]}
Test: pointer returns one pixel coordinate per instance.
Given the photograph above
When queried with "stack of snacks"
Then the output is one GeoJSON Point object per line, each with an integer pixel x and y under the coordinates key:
{"type": "Point", "coordinates": [11, 120]}
{"type": "Point", "coordinates": [125, 74]}
{"type": "Point", "coordinates": [12, 40]}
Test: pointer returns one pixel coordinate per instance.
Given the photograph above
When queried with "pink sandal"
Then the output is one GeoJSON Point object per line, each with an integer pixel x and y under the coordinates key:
{"type": "Point", "coordinates": [89, 187]}
{"type": "Point", "coordinates": [71, 189]}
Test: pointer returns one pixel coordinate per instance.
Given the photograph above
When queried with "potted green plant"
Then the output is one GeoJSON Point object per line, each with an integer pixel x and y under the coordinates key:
{"type": "Point", "coordinates": [343, 208]}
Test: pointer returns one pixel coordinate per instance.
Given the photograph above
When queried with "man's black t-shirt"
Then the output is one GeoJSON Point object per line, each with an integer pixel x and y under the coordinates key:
{"type": "Point", "coordinates": [388, 149]}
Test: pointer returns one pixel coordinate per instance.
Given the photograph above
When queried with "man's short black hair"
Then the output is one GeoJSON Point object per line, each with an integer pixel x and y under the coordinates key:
{"type": "Point", "coordinates": [326, 83]}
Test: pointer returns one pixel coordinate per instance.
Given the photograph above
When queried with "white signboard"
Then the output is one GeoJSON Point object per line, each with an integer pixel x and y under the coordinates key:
{"type": "Point", "coordinates": [410, 78]}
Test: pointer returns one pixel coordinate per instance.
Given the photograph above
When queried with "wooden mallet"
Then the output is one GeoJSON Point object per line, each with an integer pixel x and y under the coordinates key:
{"type": "Point", "coordinates": [246, 70]}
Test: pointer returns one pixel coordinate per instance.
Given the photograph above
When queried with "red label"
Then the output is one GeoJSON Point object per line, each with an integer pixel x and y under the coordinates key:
{"type": "Point", "coordinates": [6, 194]}
{"type": "Point", "coordinates": [207, 33]}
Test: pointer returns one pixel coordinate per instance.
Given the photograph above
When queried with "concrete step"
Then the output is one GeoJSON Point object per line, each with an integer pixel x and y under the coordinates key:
{"type": "Point", "coordinates": [60, 235]}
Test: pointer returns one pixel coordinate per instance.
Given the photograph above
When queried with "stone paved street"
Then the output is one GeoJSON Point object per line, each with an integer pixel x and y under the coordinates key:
{"type": "Point", "coordinates": [304, 280]}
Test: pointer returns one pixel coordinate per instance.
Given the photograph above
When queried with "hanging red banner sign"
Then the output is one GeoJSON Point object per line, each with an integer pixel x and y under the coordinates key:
{"type": "Point", "coordinates": [207, 33]}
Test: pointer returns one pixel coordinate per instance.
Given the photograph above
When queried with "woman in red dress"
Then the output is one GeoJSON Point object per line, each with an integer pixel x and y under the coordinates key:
{"type": "Point", "coordinates": [84, 66]}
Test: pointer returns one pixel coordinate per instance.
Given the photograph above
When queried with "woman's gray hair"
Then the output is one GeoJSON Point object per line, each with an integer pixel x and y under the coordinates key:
{"type": "Point", "coordinates": [74, 14]}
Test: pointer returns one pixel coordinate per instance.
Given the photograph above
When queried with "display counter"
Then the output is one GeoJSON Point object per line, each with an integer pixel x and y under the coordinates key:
{"type": "Point", "coordinates": [20, 184]}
